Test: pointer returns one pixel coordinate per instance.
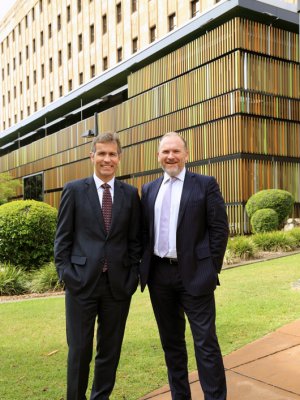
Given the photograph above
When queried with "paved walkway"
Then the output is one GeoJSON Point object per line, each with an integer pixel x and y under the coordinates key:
{"type": "Point", "coordinates": [267, 369]}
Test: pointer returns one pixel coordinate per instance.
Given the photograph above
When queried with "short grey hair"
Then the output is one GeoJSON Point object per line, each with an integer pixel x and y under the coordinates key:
{"type": "Point", "coordinates": [108, 137]}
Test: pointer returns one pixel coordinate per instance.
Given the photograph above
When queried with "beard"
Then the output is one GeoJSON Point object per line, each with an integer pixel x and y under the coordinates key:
{"type": "Point", "coordinates": [171, 170]}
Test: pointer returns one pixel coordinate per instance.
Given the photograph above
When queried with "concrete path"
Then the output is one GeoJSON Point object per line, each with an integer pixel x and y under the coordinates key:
{"type": "Point", "coordinates": [267, 369]}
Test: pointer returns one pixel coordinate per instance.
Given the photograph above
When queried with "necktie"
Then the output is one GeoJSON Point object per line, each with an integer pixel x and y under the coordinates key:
{"type": "Point", "coordinates": [106, 206]}
{"type": "Point", "coordinates": [163, 236]}
{"type": "Point", "coordinates": [106, 211]}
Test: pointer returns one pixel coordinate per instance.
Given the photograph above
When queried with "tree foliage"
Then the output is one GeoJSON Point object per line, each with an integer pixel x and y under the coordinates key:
{"type": "Point", "coordinates": [8, 187]}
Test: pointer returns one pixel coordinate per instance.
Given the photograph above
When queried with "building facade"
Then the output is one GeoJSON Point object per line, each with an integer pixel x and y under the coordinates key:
{"type": "Point", "coordinates": [225, 74]}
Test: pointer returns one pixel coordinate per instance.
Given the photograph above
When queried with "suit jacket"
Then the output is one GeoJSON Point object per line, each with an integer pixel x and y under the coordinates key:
{"type": "Point", "coordinates": [202, 232]}
{"type": "Point", "coordinates": [82, 244]}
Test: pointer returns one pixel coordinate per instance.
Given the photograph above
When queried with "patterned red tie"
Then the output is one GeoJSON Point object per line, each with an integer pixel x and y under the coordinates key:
{"type": "Point", "coordinates": [106, 211]}
{"type": "Point", "coordinates": [106, 206]}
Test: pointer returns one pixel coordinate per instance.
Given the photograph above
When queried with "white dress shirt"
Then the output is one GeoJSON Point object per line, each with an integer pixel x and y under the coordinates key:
{"type": "Point", "coordinates": [100, 190]}
{"type": "Point", "coordinates": [175, 203]}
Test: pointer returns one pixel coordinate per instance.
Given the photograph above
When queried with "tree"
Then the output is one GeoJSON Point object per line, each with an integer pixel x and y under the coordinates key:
{"type": "Point", "coordinates": [8, 187]}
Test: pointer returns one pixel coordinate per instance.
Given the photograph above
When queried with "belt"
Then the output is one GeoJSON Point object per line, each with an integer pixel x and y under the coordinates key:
{"type": "Point", "coordinates": [171, 261]}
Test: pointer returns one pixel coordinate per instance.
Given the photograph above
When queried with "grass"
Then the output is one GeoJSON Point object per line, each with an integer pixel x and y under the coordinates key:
{"type": "Point", "coordinates": [251, 301]}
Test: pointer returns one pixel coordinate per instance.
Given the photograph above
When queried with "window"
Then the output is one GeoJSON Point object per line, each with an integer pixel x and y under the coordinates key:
{"type": "Point", "coordinates": [13, 35]}
{"type": "Point", "coordinates": [172, 21]}
{"type": "Point", "coordinates": [105, 63]}
{"type": "Point", "coordinates": [81, 78]}
{"type": "Point", "coordinates": [60, 91]}
{"type": "Point", "coordinates": [58, 22]}
{"type": "Point", "coordinates": [33, 187]}
{"type": "Point", "coordinates": [51, 95]}
{"type": "Point", "coordinates": [92, 71]}
{"type": "Point", "coordinates": [33, 45]}
{"type": "Point", "coordinates": [49, 31]}
{"type": "Point", "coordinates": [35, 106]}
{"type": "Point", "coordinates": [3, 100]}
{"type": "Point", "coordinates": [21, 114]}
{"type": "Point", "coordinates": [28, 110]}
{"type": "Point", "coordinates": [43, 101]}
{"type": "Point", "coordinates": [7, 69]}
{"type": "Point", "coordinates": [194, 8]}
{"type": "Point", "coordinates": [20, 57]}
{"type": "Point", "coordinates": [15, 91]}
{"type": "Point", "coordinates": [42, 38]}
{"type": "Point", "coordinates": [41, 6]}
{"type": "Point", "coordinates": [43, 71]}
{"type": "Point", "coordinates": [133, 5]}
{"type": "Point", "coordinates": [78, 6]}
{"type": "Point", "coordinates": [119, 54]}
{"type": "Point", "coordinates": [59, 58]}
{"type": "Point", "coordinates": [119, 12]}
{"type": "Point", "coordinates": [80, 42]}
{"type": "Point", "coordinates": [92, 33]}
{"type": "Point", "coordinates": [8, 96]}
{"type": "Point", "coordinates": [34, 77]}
{"type": "Point", "coordinates": [152, 33]}
{"type": "Point", "coordinates": [19, 28]}
{"type": "Point", "coordinates": [32, 14]}
{"type": "Point", "coordinates": [2, 73]}
{"type": "Point", "coordinates": [50, 64]}
{"type": "Point", "coordinates": [14, 63]}
{"type": "Point", "coordinates": [15, 118]}
{"type": "Point", "coordinates": [104, 24]}
{"type": "Point", "coordinates": [26, 21]}
{"type": "Point", "coordinates": [68, 13]}
{"type": "Point", "coordinates": [70, 85]}
{"type": "Point", "coordinates": [134, 45]}
{"type": "Point", "coordinates": [21, 87]}
{"type": "Point", "coordinates": [69, 50]}
{"type": "Point", "coordinates": [27, 82]}
{"type": "Point", "coordinates": [27, 52]}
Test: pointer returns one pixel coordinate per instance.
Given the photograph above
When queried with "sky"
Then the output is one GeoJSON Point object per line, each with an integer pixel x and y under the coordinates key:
{"type": "Point", "coordinates": [5, 6]}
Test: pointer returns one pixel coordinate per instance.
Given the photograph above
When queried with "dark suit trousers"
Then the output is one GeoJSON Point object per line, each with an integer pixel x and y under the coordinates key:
{"type": "Point", "coordinates": [81, 315]}
{"type": "Point", "coordinates": [170, 302]}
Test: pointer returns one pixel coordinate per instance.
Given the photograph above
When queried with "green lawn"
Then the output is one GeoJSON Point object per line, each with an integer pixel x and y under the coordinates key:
{"type": "Point", "coordinates": [252, 301]}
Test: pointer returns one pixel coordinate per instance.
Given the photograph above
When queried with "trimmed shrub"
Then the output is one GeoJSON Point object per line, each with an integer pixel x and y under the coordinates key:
{"type": "Point", "coordinates": [274, 241]}
{"type": "Point", "coordinates": [12, 280]}
{"type": "Point", "coordinates": [264, 220]}
{"type": "Point", "coordinates": [241, 247]}
{"type": "Point", "coordinates": [278, 200]}
{"type": "Point", "coordinates": [295, 232]}
{"type": "Point", "coordinates": [27, 230]}
{"type": "Point", "coordinates": [45, 280]}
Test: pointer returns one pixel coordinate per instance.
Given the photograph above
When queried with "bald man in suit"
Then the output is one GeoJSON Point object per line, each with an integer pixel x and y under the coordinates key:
{"type": "Point", "coordinates": [183, 276]}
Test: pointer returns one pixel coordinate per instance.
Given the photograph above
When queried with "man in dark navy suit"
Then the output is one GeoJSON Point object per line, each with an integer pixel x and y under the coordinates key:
{"type": "Point", "coordinates": [185, 237]}
{"type": "Point", "coordinates": [97, 254]}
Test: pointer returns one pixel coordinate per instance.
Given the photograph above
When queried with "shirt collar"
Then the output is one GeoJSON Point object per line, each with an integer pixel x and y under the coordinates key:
{"type": "Point", "coordinates": [180, 176]}
{"type": "Point", "coordinates": [100, 182]}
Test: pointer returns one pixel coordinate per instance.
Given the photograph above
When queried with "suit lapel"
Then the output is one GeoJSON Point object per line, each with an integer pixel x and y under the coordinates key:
{"type": "Point", "coordinates": [188, 186]}
{"type": "Point", "coordinates": [95, 203]}
{"type": "Point", "coordinates": [117, 203]}
{"type": "Point", "coordinates": [152, 197]}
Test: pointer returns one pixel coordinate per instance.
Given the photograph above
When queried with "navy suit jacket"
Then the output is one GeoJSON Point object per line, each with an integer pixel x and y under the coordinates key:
{"type": "Point", "coordinates": [202, 232]}
{"type": "Point", "coordinates": [82, 244]}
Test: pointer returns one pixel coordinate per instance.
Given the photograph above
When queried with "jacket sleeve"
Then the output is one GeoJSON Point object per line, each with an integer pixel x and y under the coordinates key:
{"type": "Point", "coordinates": [64, 232]}
{"type": "Point", "coordinates": [217, 223]}
{"type": "Point", "coordinates": [134, 230]}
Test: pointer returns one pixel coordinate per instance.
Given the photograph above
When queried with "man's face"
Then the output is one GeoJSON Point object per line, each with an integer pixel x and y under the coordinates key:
{"type": "Point", "coordinates": [106, 160]}
{"type": "Point", "coordinates": [172, 155]}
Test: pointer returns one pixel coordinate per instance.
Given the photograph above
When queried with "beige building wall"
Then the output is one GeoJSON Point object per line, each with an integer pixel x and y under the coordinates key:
{"type": "Point", "coordinates": [50, 47]}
